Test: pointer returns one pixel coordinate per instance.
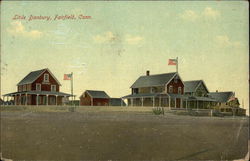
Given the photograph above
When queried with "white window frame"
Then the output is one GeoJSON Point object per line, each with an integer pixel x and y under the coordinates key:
{"type": "Point", "coordinates": [179, 90]}
{"type": "Point", "coordinates": [152, 90]}
{"type": "Point", "coordinates": [51, 88]}
{"type": "Point", "coordinates": [46, 76]}
{"type": "Point", "coordinates": [38, 85]}
{"type": "Point", "coordinates": [172, 89]}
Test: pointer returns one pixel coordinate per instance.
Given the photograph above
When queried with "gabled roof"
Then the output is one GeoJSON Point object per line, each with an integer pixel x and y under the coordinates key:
{"type": "Point", "coordinates": [153, 80]}
{"type": "Point", "coordinates": [97, 94]}
{"type": "Point", "coordinates": [191, 86]}
{"type": "Point", "coordinates": [32, 76]}
{"type": "Point", "coordinates": [221, 96]}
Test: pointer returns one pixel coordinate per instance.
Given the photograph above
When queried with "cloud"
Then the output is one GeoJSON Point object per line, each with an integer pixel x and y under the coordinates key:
{"type": "Point", "coordinates": [133, 39]}
{"type": "Point", "coordinates": [210, 13]}
{"type": "Point", "coordinates": [106, 37]}
{"type": "Point", "coordinates": [224, 41]}
{"type": "Point", "coordinates": [189, 15]}
{"type": "Point", "coordinates": [18, 29]}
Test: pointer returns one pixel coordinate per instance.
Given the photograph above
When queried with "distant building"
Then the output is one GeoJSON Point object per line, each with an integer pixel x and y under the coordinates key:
{"type": "Point", "coordinates": [39, 88]}
{"type": "Point", "coordinates": [116, 102]}
{"type": "Point", "coordinates": [99, 98]}
{"type": "Point", "coordinates": [94, 98]}
{"type": "Point", "coordinates": [227, 103]}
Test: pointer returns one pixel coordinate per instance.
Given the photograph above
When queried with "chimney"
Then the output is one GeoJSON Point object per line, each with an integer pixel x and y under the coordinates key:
{"type": "Point", "coordinates": [148, 73]}
{"type": "Point", "coordinates": [216, 90]}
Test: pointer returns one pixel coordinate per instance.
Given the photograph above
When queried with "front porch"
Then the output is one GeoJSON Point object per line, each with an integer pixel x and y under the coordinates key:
{"type": "Point", "coordinates": [171, 101]}
{"type": "Point", "coordinates": [38, 98]}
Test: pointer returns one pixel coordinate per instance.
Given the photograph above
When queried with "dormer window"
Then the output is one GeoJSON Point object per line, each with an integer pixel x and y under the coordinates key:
{"type": "Point", "coordinates": [46, 78]}
{"type": "Point", "coordinates": [38, 87]}
{"type": "Point", "coordinates": [53, 88]}
{"type": "Point", "coordinates": [171, 89]}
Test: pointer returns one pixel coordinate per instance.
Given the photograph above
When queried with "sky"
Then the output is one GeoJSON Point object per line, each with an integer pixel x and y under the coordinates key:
{"type": "Point", "coordinates": [118, 41]}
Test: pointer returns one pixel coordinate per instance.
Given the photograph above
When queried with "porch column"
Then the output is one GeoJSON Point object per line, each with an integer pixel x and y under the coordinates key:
{"type": "Point", "coordinates": [37, 99]}
{"type": "Point", "coordinates": [169, 102]}
{"type": "Point", "coordinates": [56, 100]}
{"type": "Point", "coordinates": [186, 104]}
{"type": "Point", "coordinates": [175, 102]}
{"type": "Point", "coordinates": [142, 101]}
{"type": "Point", "coordinates": [20, 99]}
{"type": "Point", "coordinates": [47, 99]}
{"type": "Point", "coordinates": [64, 100]}
{"type": "Point", "coordinates": [15, 99]}
{"type": "Point", "coordinates": [26, 99]}
{"type": "Point", "coordinates": [153, 101]}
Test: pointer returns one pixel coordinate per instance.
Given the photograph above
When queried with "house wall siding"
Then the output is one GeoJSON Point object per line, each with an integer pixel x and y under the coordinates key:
{"type": "Point", "coordinates": [175, 86]}
{"type": "Point", "coordinates": [45, 86]}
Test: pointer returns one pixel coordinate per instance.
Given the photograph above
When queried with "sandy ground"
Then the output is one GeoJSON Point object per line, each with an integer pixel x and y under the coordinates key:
{"type": "Point", "coordinates": [117, 135]}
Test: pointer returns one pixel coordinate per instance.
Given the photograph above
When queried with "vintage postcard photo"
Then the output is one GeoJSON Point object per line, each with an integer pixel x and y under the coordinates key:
{"type": "Point", "coordinates": [124, 80]}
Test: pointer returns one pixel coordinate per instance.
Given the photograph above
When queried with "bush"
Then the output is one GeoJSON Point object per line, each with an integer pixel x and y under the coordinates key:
{"type": "Point", "coordinates": [158, 110]}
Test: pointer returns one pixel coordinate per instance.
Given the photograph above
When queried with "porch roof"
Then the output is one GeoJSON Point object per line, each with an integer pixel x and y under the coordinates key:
{"type": "Point", "coordinates": [140, 95]}
{"type": "Point", "coordinates": [39, 93]}
{"type": "Point", "coordinates": [192, 98]}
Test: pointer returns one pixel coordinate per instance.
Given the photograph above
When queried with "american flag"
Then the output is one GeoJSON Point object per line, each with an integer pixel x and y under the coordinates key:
{"type": "Point", "coordinates": [67, 77]}
{"type": "Point", "coordinates": [172, 62]}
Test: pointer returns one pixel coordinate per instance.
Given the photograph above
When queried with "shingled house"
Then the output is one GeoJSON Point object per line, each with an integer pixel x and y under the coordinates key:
{"type": "Point", "coordinates": [94, 98]}
{"type": "Point", "coordinates": [166, 90]}
{"type": "Point", "coordinates": [39, 88]}
{"type": "Point", "coordinates": [226, 102]}
{"type": "Point", "coordinates": [196, 93]}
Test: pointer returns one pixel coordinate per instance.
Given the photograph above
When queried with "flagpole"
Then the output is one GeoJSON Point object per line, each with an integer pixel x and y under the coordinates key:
{"type": "Point", "coordinates": [177, 64]}
{"type": "Point", "coordinates": [72, 87]}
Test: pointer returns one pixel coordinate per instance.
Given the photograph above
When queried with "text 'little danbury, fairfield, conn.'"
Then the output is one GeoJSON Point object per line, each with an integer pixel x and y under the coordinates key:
{"type": "Point", "coordinates": [51, 18]}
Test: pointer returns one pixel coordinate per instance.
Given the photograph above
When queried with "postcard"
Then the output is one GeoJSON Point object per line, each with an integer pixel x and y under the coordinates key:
{"type": "Point", "coordinates": [124, 80]}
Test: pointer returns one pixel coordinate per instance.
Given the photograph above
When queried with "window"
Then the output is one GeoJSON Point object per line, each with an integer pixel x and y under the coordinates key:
{"type": "Point", "coordinates": [170, 89]}
{"type": "Point", "coordinates": [179, 90]}
{"type": "Point", "coordinates": [24, 87]}
{"type": "Point", "coordinates": [19, 88]}
{"type": "Point", "coordinates": [153, 90]}
{"type": "Point", "coordinates": [175, 80]}
{"type": "Point", "coordinates": [28, 87]}
{"type": "Point", "coordinates": [53, 88]}
{"type": "Point", "coordinates": [46, 78]}
{"type": "Point", "coordinates": [135, 90]}
{"type": "Point", "coordinates": [38, 87]}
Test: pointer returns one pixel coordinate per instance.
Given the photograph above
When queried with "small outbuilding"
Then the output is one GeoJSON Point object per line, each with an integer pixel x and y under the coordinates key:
{"type": "Point", "coordinates": [94, 98]}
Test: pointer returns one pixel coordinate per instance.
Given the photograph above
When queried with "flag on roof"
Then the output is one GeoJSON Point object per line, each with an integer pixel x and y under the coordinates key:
{"type": "Point", "coordinates": [172, 61]}
{"type": "Point", "coordinates": [67, 77]}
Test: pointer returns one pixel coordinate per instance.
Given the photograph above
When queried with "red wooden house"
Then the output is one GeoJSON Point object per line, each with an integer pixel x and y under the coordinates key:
{"type": "Point", "coordinates": [157, 90]}
{"type": "Point", "coordinates": [39, 88]}
{"type": "Point", "coordinates": [94, 98]}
